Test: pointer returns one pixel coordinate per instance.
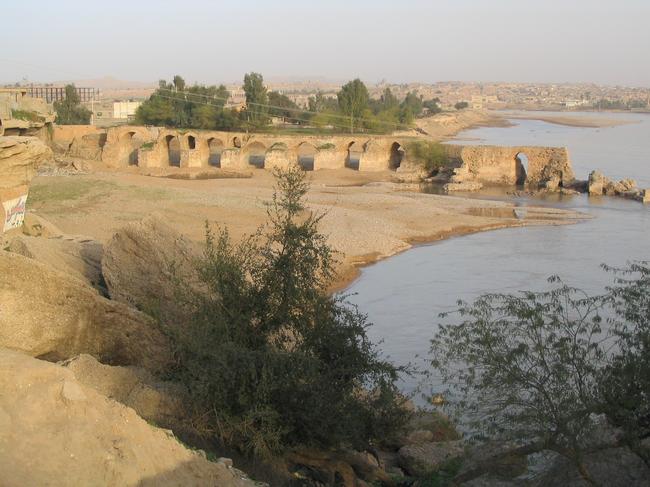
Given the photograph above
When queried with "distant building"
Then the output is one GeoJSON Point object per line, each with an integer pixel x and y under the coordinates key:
{"type": "Point", "coordinates": [57, 93]}
{"type": "Point", "coordinates": [125, 109]}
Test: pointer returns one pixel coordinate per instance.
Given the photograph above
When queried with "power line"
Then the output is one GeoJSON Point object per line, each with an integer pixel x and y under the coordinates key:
{"type": "Point", "coordinates": [335, 124]}
{"type": "Point", "coordinates": [266, 105]}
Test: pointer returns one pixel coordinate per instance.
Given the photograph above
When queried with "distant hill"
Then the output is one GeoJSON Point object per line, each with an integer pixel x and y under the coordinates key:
{"type": "Point", "coordinates": [110, 83]}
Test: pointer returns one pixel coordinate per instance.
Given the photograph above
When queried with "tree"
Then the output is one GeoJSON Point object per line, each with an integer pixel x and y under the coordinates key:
{"type": "Point", "coordinates": [388, 100]}
{"type": "Point", "coordinates": [461, 105]}
{"type": "Point", "coordinates": [319, 103]}
{"type": "Point", "coordinates": [282, 106]}
{"type": "Point", "coordinates": [256, 99]}
{"type": "Point", "coordinates": [625, 385]}
{"type": "Point", "coordinates": [271, 360]}
{"type": "Point", "coordinates": [433, 106]}
{"type": "Point", "coordinates": [353, 100]}
{"type": "Point", "coordinates": [536, 366]}
{"type": "Point", "coordinates": [70, 111]}
{"type": "Point", "coordinates": [176, 105]}
{"type": "Point", "coordinates": [179, 83]}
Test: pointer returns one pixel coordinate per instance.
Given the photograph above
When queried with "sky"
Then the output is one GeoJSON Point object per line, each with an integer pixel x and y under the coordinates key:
{"type": "Point", "coordinates": [607, 42]}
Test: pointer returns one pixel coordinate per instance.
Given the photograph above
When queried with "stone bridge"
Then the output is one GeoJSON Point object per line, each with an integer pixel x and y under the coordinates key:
{"type": "Point", "coordinates": [153, 147]}
{"type": "Point", "coordinates": [512, 165]}
{"type": "Point", "coordinates": [158, 147]}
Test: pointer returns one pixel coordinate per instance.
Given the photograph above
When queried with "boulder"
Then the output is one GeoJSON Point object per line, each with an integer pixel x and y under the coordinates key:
{"type": "Point", "coordinates": [496, 459]}
{"type": "Point", "coordinates": [138, 260]}
{"type": "Point", "coordinates": [596, 183]}
{"type": "Point", "coordinates": [54, 430]}
{"type": "Point", "coordinates": [424, 458]}
{"type": "Point", "coordinates": [77, 256]}
{"type": "Point", "coordinates": [613, 467]}
{"type": "Point", "coordinates": [37, 226]}
{"type": "Point", "coordinates": [19, 159]}
{"type": "Point", "coordinates": [160, 402]}
{"type": "Point", "coordinates": [645, 197]}
{"type": "Point", "coordinates": [47, 313]}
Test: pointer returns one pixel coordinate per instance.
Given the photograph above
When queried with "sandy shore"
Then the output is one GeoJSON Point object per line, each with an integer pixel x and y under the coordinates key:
{"type": "Point", "coordinates": [444, 126]}
{"type": "Point", "coordinates": [364, 222]}
{"type": "Point", "coordinates": [570, 120]}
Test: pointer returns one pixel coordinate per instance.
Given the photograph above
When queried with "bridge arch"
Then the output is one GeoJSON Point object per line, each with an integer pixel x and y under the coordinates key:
{"type": "Point", "coordinates": [355, 150]}
{"type": "Point", "coordinates": [255, 154]}
{"type": "Point", "coordinates": [522, 167]}
{"type": "Point", "coordinates": [191, 142]}
{"type": "Point", "coordinates": [306, 153]}
{"type": "Point", "coordinates": [396, 156]}
{"type": "Point", "coordinates": [173, 146]}
{"type": "Point", "coordinates": [215, 148]}
{"type": "Point", "coordinates": [131, 144]}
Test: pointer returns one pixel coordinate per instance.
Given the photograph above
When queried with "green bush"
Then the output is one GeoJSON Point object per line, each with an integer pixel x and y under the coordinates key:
{"type": "Point", "coordinates": [27, 116]}
{"type": "Point", "coordinates": [271, 360]}
{"type": "Point", "coordinates": [535, 367]}
{"type": "Point", "coordinates": [431, 155]}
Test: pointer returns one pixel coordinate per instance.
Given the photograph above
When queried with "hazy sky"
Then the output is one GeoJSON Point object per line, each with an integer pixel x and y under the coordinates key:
{"type": "Point", "coordinates": [400, 40]}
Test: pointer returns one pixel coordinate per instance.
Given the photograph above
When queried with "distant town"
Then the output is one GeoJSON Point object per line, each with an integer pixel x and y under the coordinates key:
{"type": "Point", "coordinates": [113, 101]}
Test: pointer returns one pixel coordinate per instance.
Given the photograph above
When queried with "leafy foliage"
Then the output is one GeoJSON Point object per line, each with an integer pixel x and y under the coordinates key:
{"type": "Point", "coordinates": [431, 155]}
{"type": "Point", "coordinates": [461, 105]}
{"type": "Point", "coordinates": [536, 366]}
{"type": "Point", "coordinates": [256, 99]}
{"type": "Point", "coordinates": [200, 107]}
{"type": "Point", "coordinates": [625, 386]}
{"type": "Point", "coordinates": [353, 101]}
{"type": "Point", "coordinates": [70, 111]}
{"type": "Point", "coordinates": [272, 360]}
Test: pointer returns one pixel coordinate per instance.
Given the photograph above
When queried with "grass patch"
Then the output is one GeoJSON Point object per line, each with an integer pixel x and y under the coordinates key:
{"type": "Point", "coordinates": [69, 189]}
{"type": "Point", "coordinates": [147, 146]}
{"type": "Point", "coordinates": [327, 146]}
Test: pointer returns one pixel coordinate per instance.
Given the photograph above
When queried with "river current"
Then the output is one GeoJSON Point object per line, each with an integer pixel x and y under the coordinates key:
{"type": "Point", "coordinates": [404, 294]}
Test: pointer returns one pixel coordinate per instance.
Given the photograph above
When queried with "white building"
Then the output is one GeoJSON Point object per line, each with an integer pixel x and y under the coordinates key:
{"type": "Point", "coordinates": [125, 109]}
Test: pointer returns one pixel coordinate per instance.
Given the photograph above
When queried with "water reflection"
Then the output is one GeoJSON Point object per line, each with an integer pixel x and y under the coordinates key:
{"type": "Point", "coordinates": [403, 295]}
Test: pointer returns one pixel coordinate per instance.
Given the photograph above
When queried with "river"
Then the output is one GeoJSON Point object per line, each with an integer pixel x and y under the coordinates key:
{"type": "Point", "coordinates": [404, 294]}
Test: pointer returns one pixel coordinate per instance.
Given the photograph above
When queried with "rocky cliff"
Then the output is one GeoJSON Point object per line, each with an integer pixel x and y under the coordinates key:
{"type": "Point", "coordinates": [19, 159]}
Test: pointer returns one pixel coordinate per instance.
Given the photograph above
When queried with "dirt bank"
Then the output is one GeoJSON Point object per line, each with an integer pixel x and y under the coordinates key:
{"type": "Point", "coordinates": [446, 125]}
{"type": "Point", "coordinates": [365, 222]}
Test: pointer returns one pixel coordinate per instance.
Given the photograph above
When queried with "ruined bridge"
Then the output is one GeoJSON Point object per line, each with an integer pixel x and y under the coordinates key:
{"type": "Point", "coordinates": [159, 147]}
{"type": "Point", "coordinates": [153, 147]}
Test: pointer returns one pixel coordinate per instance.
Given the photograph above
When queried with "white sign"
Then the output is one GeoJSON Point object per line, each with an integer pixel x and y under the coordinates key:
{"type": "Point", "coordinates": [14, 212]}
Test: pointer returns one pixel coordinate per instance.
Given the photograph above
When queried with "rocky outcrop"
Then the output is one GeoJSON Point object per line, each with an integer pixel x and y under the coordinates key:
{"type": "Point", "coordinates": [613, 467]}
{"type": "Point", "coordinates": [76, 256]}
{"type": "Point", "coordinates": [19, 159]}
{"type": "Point", "coordinates": [47, 313]}
{"type": "Point", "coordinates": [596, 183]}
{"type": "Point", "coordinates": [420, 459]}
{"type": "Point", "coordinates": [138, 261]}
{"type": "Point", "coordinates": [54, 430]}
{"type": "Point", "coordinates": [599, 185]}
{"type": "Point", "coordinates": [160, 402]}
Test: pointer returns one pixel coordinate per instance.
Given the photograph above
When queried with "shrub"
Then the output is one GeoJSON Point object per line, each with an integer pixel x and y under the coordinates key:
{"type": "Point", "coordinates": [431, 155]}
{"type": "Point", "coordinates": [271, 360]}
{"type": "Point", "coordinates": [26, 115]}
{"type": "Point", "coordinates": [537, 366]}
